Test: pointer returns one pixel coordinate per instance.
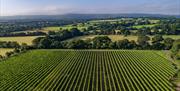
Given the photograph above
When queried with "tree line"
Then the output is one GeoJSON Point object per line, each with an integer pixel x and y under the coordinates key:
{"type": "Point", "coordinates": [125, 27]}
{"type": "Point", "coordinates": [56, 40]}
{"type": "Point", "coordinates": [24, 25]}
{"type": "Point", "coordinates": [37, 33]}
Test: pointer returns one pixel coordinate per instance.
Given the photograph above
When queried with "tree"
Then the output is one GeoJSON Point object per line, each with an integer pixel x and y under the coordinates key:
{"type": "Point", "coordinates": [125, 44]}
{"type": "Point", "coordinates": [113, 45]}
{"type": "Point", "coordinates": [157, 46]}
{"type": "Point", "coordinates": [77, 44]}
{"type": "Point", "coordinates": [56, 45]}
{"type": "Point", "coordinates": [125, 32]}
{"type": "Point", "coordinates": [132, 44]}
{"type": "Point", "coordinates": [44, 43]}
{"type": "Point", "coordinates": [8, 54]}
{"type": "Point", "coordinates": [1, 57]}
{"type": "Point", "coordinates": [51, 33]}
{"type": "Point", "coordinates": [157, 38]}
{"type": "Point", "coordinates": [16, 50]}
{"type": "Point", "coordinates": [168, 43]}
{"type": "Point", "coordinates": [143, 42]}
{"type": "Point", "coordinates": [176, 49]}
{"type": "Point", "coordinates": [101, 42]}
{"type": "Point", "coordinates": [122, 44]}
{"type": "Point", "coordinates": [157, 42]}
{"type": "Point", "coordinates": [75, 32]}
{"type": "Point", "coordinates": [36, 41]}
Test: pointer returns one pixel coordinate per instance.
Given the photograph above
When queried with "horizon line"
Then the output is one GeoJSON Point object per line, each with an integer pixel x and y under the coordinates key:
{"type": "Point", "coordinates": [87, 14]}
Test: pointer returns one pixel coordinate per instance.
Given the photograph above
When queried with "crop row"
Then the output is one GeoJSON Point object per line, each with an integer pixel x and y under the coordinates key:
{"type": "Point", "coordinates": [82, 70]}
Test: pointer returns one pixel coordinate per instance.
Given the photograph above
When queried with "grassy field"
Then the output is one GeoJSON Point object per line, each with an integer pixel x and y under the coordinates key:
{"type": "Point", "coordinates": [141, 26]}
{"type": "Point", "coordinates": [172, 36]}
{"type": "Point", "coordinates": [4, 50]}
{"type": "Point", "coordinates": [26, 39]}
{"type": "Point", "coordinates": [87, 70]}
{"type": "Point", "coordinates": [68, 27]}
{"type": "Point", "coordinates": [100, 21]}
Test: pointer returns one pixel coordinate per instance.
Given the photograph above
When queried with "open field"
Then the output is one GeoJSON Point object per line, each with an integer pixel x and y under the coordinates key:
{"type": "Point", "coordinates": [4, 50]}
{"type": "Point", "coordinates": [68, 27]}
{"type": "Point", "coordinates": [20, 40]}
{"type": "Point", "coordinates": [172, 36]}
{"type": "Point", "coordinates": [141, 26]}
{"type": "Point", "coordinates": [154, 21]}
{"type": "Point", "coordinates": [87, 70]}
{"type": "Point", "coordinates": [100, 21]}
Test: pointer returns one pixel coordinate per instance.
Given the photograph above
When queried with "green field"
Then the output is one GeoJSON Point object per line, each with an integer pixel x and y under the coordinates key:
{"type": "Point", "coordinates": [101, 21]}
{"type": "Point", "coordinates": [141, 26]}
{"type": "Point", "coordinates": [172, 36]}
{"type": "Point", "coordinates": [25, 39]}
{"type": "Point", "coordinates": [68, 27]}
{"type": "Point", "coordinates": [86, 70]}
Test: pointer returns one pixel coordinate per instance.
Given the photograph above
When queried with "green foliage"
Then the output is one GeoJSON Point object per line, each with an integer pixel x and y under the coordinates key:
{"type": "Point", "coordinates": [143, 42]}
{"type": "Point", "coordinates": [101, 42]}
{"type": "Point", "coordinates": [86, 70]}
{"type": "Point", "coordinates": [77, 44]}
{"type": "Point", "coordinates": [176, 49]}
{"type": "Point", "coordinates": [168, 42]}
{"type": "Point", "coordinates": [157, 38]}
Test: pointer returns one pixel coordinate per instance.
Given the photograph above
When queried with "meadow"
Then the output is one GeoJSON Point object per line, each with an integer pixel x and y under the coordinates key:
{"type": "Point", "coordinates": [25, 39]}
{"type": "Point", "coordinates": [141, 26]}
{"type": "Point", "coordinates": [79, 26]}
{"type": "Point", "coordinates": [4, 50]}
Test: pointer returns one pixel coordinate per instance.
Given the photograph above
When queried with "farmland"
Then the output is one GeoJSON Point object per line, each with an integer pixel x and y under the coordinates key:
{"type": "Point", "coordinates": [25, 39]}
{"type": "Point", "coordinates": [79, 70]}
{"type": "Point", "coordinates": [68, 27]}
{"type": "Point", "coordinates": [4, 50]}
{"type": "Point", "coordinates": [141, 26]}
{"type": "Point", "coordinates": [172, 36]}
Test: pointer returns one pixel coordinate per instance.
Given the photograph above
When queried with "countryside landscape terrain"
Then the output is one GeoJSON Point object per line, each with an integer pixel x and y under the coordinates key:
{"type": "Point", "coordinates": [89, 51]}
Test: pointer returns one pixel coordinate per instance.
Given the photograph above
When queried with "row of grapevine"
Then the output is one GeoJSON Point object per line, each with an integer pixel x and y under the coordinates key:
{"type": "Point", "coordinates": [87, 70]}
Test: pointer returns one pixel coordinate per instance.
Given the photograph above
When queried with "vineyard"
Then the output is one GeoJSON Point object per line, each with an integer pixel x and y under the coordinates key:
{"type": "Point", "coordinates": [86, 70]}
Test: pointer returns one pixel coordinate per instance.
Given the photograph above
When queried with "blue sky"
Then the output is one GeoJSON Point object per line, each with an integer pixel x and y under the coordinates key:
{"type": "Point", "coordinates": [51, 7]}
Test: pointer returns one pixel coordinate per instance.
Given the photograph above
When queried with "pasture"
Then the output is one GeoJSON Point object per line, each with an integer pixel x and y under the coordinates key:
{"type": "Point", "coordinates": [4, 50]}
{"type": "Point", "coordinates": [25, 39]}
{"type": "Point", "coordinates": [141, 26]}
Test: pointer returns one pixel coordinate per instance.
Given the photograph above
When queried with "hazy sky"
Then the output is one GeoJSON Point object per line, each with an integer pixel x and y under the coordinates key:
{"type": "Point", "coordinates": [51, 7]}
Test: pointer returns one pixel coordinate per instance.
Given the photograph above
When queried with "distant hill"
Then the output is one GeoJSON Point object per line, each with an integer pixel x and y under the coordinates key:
{"type": "Point", "coordinates": [82, 16]}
